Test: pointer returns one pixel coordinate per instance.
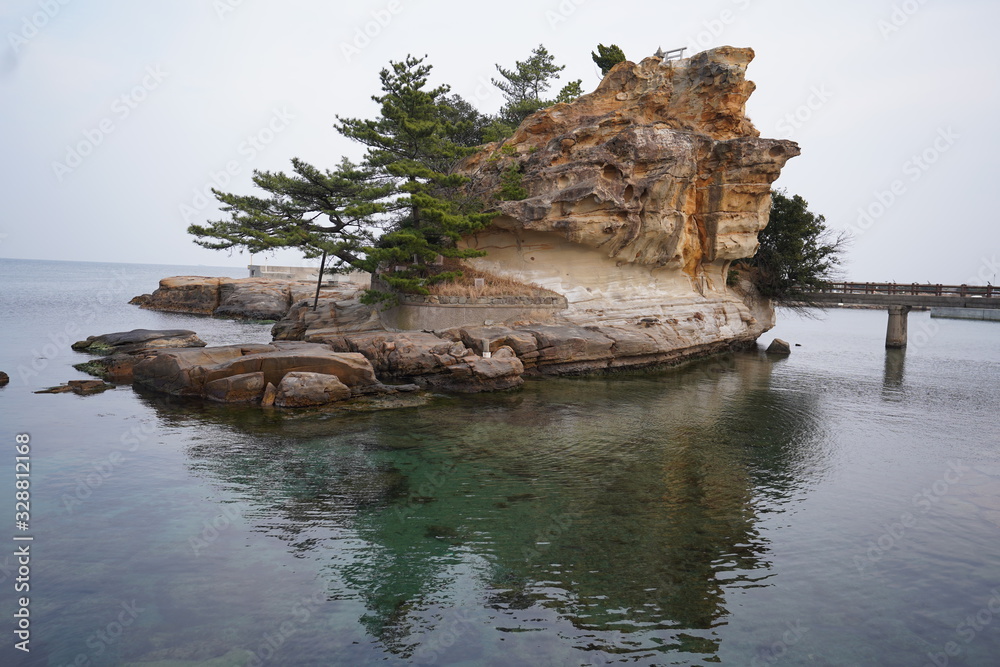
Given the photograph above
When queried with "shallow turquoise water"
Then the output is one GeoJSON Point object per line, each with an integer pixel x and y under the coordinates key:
{"type": "Point", "coordinates": [839, 507]}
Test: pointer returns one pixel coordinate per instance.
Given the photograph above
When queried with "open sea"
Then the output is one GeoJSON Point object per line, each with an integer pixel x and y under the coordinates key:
{"type": "Point", "coordinates": [837, 507]}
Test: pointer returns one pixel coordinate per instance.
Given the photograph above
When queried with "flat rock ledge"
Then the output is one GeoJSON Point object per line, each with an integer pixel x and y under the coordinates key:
{"type": "Point", "coordinates": [238, 298]}
{"type": "Point", "coordinates": [118, 353]}
{"type": "Point", "coordinates": [298, 374]}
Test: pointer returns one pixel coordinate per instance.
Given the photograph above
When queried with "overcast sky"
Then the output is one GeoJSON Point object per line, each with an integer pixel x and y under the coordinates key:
{"type": "Point", "coordinates": [116, 115]}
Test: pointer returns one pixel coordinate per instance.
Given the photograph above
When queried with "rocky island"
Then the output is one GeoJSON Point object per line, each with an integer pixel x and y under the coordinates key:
{"type": "Point", "coordinates": [640, 195]}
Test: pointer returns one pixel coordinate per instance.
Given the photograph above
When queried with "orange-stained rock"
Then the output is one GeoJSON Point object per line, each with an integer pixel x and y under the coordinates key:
{"type": "Point", "coordinates": [641, 194]}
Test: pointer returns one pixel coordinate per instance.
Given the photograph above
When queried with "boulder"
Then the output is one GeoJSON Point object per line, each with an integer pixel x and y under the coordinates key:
{"type": "Point", "coordinates": [181, 372]}
{"type": "Point", "coordinates": [270, 394]}
{"type": "Point", "coordinates": [4, 379]}
{"type": "Point", "coordinates": [780, 347]}
{"type": "Point", "coordinates": [303, 389]}
{"type": "Point", "coordinates": [352, 369]}
{"type": "Point", "coordinates": [253, 299]}
{"type": "Point", "coordinates": [335, 315]}
{"type": "Point", "coordinates": [246, 388]}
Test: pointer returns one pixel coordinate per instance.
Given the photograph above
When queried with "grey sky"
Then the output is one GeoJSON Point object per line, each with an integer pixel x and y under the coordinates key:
{"type": "Point", "coordinates": [116, 114]}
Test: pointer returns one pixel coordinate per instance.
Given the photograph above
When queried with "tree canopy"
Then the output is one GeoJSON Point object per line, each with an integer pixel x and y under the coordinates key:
{"type": "Point", "coordinates": [524, 87]}
{"type": "Point", "coordinates": [607, 57]}
{"type": "Point", "coordinates": [402, 209]}
{"type": "Point", "coordinates": [797, 252]}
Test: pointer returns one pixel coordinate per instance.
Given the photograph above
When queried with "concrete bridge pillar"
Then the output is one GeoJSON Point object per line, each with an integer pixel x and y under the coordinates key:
{"type": "Point", "coordinates": [895, 335]}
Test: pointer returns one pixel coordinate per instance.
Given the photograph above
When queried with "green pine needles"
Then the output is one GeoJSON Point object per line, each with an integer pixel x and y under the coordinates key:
{"type": "Point", "coordinates": [402, 211]}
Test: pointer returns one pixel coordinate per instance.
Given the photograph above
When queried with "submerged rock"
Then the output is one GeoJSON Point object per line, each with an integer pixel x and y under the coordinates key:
{"type": "Point", "coordinates": [80, 387]}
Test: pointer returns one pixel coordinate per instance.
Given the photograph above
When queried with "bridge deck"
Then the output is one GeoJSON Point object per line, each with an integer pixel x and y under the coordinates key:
{"type": "Point", "coordinates": [892, 294]}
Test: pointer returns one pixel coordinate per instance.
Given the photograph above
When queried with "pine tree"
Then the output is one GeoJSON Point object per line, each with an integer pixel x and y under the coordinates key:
{"type": "Point", "coordinates": [413, 144]}
{"type": "Point", "coordinates": [607, 57]}
{"type": "Point", "coordinates": [332, 212]}
{"type": "Point", "coordinates": [525, 85]}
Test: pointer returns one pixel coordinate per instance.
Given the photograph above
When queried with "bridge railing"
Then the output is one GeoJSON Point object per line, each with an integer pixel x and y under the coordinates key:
{"type": "Point", "coordinates": [912, 289]}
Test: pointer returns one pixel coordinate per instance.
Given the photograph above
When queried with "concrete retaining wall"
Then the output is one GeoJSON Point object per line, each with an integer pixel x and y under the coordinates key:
{"type": "Point", "coordinates": [967, 314]}
{"type": "Point", "coordinates": [434, 313]}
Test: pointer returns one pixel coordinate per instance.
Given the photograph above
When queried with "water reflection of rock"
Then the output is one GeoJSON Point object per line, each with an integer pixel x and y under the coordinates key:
{"type": "Point", "coordinates": [627, 505]}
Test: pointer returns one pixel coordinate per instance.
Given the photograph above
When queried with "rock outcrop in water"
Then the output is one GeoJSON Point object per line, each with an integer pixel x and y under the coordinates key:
{"type": "Point", "coordinates": [118, 353]}
{"type": "Point", "coordinates": [641, 194]}
{"type": "Point", "coordinates": [241, 298]}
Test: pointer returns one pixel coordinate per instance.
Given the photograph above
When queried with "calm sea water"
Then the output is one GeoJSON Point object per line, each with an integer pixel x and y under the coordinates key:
{"type": "Point", "coordinates": [839, 507]}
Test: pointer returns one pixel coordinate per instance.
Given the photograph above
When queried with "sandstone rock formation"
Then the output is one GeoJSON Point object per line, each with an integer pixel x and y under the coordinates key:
{"type": "Point", "coordinates": [641, 195]}
{"type": "Point", "coordinates": [335, 315]}
{"type": "Point", "coordinates": [138, 340]}
{"type": "Point", "coordinates": [779, 346]}
{"type": "Point", "coordinates": [122, 350]}
{"type": "Point", "coordinates": [282, 374]}
{"type": "Point", "coordinates": [242, 298]}
{"type": "Point", "coordinates": [300, 390]}
{"type": "Point", "coordinates": [430, 360]}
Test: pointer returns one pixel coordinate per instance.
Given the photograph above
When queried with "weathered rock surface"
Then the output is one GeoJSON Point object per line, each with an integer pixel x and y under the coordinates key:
{"type": "Point", "coordinates": [245, 388]}
{"type": "Point", "coordinates": [122, 350]}
{"type": "Point", "coordinates": [571, 349]}
{"type": "Point", "coordinates": [429, 360]}
{"type": "Point", "coordinates": [242, 298]}
{"type": "Point", "coordinates": [258, 373]}
{"type": "Point", "coordinates": [138, 340]}
{"type": "Point", "coordinates": [299, 390]}
{"type": "Point", "coordinates": [640, 196]}
{"type": "Point", "coordinates": [779, 346]}
{"type": "Point", "coordinates": [79, 387]}
{"type": "Point", "coordinates": [334, 315]}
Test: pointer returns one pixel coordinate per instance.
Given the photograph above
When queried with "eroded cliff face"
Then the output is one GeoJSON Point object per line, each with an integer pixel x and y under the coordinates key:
{"type": "Point", "coordinates": [641, 194]}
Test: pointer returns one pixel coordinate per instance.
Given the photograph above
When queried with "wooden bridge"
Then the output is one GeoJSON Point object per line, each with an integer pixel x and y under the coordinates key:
{"type": "Point", "coordinates": [899, 299]}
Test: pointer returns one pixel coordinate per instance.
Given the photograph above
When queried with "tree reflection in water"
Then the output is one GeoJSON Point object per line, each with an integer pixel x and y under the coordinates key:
{"type": "Point", "coordinates": [625, 506]}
